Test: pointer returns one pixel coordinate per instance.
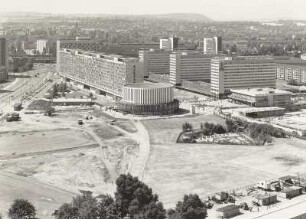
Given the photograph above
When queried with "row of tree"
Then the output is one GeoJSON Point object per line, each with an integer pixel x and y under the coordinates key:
{"type": "Point", "coordinates": [261, 133]}
{"type": "Point", "coordinates": [205, 128]}
{"type": "Point", "coordinates": [133, 199]}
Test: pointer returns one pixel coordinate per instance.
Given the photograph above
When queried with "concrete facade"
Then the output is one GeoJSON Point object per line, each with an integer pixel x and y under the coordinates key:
{"type": "Point", "coordinates": [147, 93]}
{"type": "Point", "coordinates": [212, 46]}
{"type": "Point", "coordinates": [106, 73]}
{"type": "Point", "coordinates": [154, 61]}
{"type": "Point", "coordinates": [169, 44]}
{"type": "Point", "coordinates": [189, 66]}
{"type": "Point", "coordinates": [239, 73]}
{"type": "Point", "coordinates": [41, 46]}
{"type": "Point", "coordinates": [290, 69]}
{"type": "Point", "coordinates": [148, 99]}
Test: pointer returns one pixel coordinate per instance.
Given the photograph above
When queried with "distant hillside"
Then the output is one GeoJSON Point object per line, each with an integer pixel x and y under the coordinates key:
{"type": "Point", "coordinates": [185, 17]}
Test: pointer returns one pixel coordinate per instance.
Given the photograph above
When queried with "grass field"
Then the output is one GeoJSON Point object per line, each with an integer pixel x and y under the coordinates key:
{"type": "Point", "coordinates": [177, 169]}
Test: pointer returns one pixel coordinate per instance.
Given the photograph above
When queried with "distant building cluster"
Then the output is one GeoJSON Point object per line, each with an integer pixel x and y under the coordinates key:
{"type": "Point", "coordinates": [247, 79]}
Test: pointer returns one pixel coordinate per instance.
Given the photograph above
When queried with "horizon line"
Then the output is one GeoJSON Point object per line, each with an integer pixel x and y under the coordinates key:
{"type": "Point", "coordinates": [156, 14]}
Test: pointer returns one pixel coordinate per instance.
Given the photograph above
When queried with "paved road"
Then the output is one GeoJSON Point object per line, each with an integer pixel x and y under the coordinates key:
{"type": "Point", "coordinates": [142, 138]}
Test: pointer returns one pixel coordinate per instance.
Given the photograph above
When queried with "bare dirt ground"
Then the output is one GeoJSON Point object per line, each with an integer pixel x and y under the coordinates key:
{"type": "Point", "coordinates": [58, 154]}
{"type": "Point", "coordinates": [177, 169]}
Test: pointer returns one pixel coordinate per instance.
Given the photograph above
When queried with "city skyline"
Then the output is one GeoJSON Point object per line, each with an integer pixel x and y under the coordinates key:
{"type": "Point", "coordinates": [218, 10]}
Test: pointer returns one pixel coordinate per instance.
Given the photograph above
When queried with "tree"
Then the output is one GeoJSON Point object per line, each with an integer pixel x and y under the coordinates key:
{"type": "Point", "coordinates": [66, 211]}
{"type": "Point", "coordinates": [22, 208]}
{"type": "Point", "coordinates": [137, 199]}
{"type": "Point", "coordinates": [82, 207]}
{"type": "Point", "coordinates": [187, 127]}
{"type": "Point", "coordinates": [107, 208]}
{"type": "Point", "coordinates": [86, 204]}
{"type": "Point", "coordinates": [191, 208]}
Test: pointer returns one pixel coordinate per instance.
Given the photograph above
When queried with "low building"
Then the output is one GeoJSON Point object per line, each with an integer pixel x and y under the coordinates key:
{"type": "Point", "coordinates": [228, 211]}
{"type": "Point", "coordinates": [291, 192]}
{"type": "Point", "coordinates": [148, 99]}
{"type": "Point", "coordinates": [262, 97]}
{"type": "Point", "coordinates": [262, 112]}
{"type": "Point", "coordinates": [221, 196]}
{"type": "Point", "coordinates": [266, 199]}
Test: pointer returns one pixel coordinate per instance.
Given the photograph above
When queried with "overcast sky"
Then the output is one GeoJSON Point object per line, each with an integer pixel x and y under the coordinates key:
{"type": "Point", "coordinates": [215, 9]}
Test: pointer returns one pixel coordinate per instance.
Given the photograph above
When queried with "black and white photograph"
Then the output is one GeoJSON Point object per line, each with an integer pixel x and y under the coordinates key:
{"type": "Point", "coordinates": [152, 109]}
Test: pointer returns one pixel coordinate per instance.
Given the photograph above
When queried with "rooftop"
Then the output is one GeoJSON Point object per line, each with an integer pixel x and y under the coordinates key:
{"type": "Point", "coordinates": [291, 188]}
{"type": "Point", "coordinates": [148, 85]}
{"type": "Point", "coordinates": [98, 55]}
{"type": "Point", "coordinates": [259, 109]}
{"type": "Point", "coordinates": [264, 196]}
{"type": "Point", "coordinates": [227, 208]}
{"type": "Point", "coordinates": [259, 91]}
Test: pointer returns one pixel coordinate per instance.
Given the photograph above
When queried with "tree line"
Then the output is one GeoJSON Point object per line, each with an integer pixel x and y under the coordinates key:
{"type": "Point", "coordinates": [133, 199]}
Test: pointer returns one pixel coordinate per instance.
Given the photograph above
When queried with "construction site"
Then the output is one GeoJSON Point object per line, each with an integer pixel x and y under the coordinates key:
{"type": "Point", "coordinates": [85, 144]}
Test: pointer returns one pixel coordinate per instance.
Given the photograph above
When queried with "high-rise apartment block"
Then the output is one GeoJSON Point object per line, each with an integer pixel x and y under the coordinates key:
{"type": "Point", "coordinates": [3, 60]}
{"type": "Point", "coordinates": [189, 66]}
{"type": "Point", "coordinates": [212, 46]}
{"type": "Point", "coordinates": [105, 74]}
{"type": "Point", "coordinates": [169, 44]}
{"type": "Point", "coordinates": [41, 46]}
{"type": "Point", "coordinates": [241, 73]}
{"type": "Point", "coordinates": [154, 61]}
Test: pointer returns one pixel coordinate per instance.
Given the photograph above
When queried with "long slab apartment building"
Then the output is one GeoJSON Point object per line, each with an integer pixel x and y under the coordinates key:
{"type": "Point", "coordinates": [241, 73]}
{"type": "Point", "coordinates": [189, 66]}
{"type": "Point", "coordinates": [104, 74]}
